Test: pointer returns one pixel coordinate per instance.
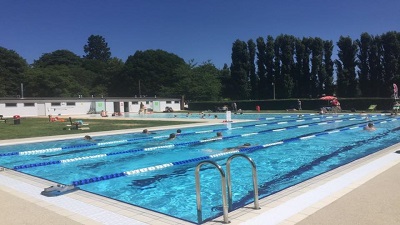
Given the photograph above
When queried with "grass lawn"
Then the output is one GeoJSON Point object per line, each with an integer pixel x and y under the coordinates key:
{"type": "Point", "coordinates": [38, 127]}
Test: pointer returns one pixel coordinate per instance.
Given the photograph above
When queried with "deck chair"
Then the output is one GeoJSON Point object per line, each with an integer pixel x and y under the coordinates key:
{"type": "Point", "coordinates": [372, 108]}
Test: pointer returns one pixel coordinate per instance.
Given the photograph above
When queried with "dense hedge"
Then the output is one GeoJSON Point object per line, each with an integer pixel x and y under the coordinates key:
{"type": "Point", "coordinates": [347, 104]}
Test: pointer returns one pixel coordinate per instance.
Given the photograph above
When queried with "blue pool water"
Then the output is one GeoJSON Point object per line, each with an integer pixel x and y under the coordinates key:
{"type": "Point", "coordinates": [151, 172]}
{"type": "Point", "coordinates": [200, 115]}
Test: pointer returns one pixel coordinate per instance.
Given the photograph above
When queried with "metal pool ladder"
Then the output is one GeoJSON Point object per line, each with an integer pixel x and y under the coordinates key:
{"type": "Point", "coordinates": [223, 186]}
{"type": "Point", "coordinates": [254, 172]}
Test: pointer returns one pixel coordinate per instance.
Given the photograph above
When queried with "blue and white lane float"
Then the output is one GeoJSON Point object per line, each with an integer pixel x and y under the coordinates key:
{"type": "Point", "coordinates": [298, 116]}
{"type": "Point", "coordinates": [49, 150]}
{"type": "Point", "coordinates": [47, 163]}
{"type": "Point", "coordinates": [213, 156]}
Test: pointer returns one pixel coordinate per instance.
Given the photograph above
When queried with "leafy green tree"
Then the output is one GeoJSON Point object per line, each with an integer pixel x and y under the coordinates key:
{"type": "Point", "coordinates": [254, 80]}
{"type": "Point", "coordinates": [206, 84]}
{"type": "Point", "coordinates": [199, 83]}
{"type": "Point", "coordinates": [328, 68]}
{"type": "Point", "coordinates": [240, 70]}
{"type": "Point", "coordinates": [375, 56]}
{"type": "Point", "coordinates": [270, 66]}
{"type": "Point", "coordinates": [58, 57]}
{"type": "Point", "coordinates": [12, 72]}
{"type": "Point", "coordinates": [59, 81]}
{"type": "Point", "coordinates": [261, 71]}
{"type": "Point", "coordinates": [342, 82]}
{"type": "Point", "coordinates": [347, 82]}
{"type": "Point", "coordinates": [154, 69]}
{"type": "Point", "coordinates": [97, 48]}
{"type": "Point", "coordinates": [391, 60]}
{"type": "Point", "coordinates": [317, 75]}
{"type": "Point", "coordinates": [284, 70]}
{"type": "Point", "coordinates": [278, 78]}
{"type": "Point", "coordinates": [298, 76]}
{"type": "Point", "coordinates": [103, 74]}
{"type": "Point", "coordinates": [364, 44]}
{"type": "Point", "coordinates": [227, 88]}
{"type": "Point", "coordinates": [301, 78]}
{"type": "Point", "coordinates": [306, 80]}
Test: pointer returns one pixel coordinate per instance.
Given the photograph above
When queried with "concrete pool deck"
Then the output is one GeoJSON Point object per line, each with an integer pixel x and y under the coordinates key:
{"type": "Point", "coordinates": [363, 192]}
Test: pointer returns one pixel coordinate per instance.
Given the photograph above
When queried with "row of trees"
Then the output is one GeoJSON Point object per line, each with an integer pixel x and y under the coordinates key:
{"type": "Point", "coordinates": [302, 68]}
{"type": "Point", "coordinates": [281, 67]}
{"type": "Point", "coordinates": [62, 73]}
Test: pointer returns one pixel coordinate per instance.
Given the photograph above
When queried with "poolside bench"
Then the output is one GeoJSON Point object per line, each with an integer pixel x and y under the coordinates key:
{"type": "Point", "coordinates": [1, 119]}
{"type": "Point", "coordinates": [372, 108]}
{"type": "Point", "coordinates": [78, 125]}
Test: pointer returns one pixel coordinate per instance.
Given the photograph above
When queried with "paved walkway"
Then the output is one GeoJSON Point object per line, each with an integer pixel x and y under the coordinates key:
{"type": "Point", "coordinates": [375, 202]}
{"type": "Point", "coordinates": [18, 210]}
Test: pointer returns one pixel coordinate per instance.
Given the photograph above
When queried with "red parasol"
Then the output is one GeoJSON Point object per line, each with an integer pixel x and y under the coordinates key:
{"type": "Point", "coordinates": [328, 98]}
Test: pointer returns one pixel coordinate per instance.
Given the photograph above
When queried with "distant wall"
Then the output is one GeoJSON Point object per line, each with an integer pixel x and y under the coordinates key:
{"type": "Point", "coordinates": [359, 104]}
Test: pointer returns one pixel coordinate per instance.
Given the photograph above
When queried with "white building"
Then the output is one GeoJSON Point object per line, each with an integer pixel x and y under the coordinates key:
{"type": "Point", "coordinates": [10, 107]}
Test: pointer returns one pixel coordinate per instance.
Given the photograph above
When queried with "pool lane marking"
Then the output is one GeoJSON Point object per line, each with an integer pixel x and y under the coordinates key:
{"type": "Point", "coordinates": [33, 152]}
{"type": "Point", "coordinates": [49, 150]}
{"type": "Point", "coordinates": [47, 163]}
{"type": "Point", "coordinates": [182, 162]}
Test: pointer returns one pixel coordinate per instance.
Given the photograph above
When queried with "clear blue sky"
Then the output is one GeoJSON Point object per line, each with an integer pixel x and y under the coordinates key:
{"type": "Point", "coordinates": [193, 29]}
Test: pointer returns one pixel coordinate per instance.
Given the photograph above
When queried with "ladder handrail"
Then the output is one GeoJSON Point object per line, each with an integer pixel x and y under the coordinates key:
{"type": "Point", "coordinates": [223, 187]}
{"type": "Point", "coordinates": [254, 172]}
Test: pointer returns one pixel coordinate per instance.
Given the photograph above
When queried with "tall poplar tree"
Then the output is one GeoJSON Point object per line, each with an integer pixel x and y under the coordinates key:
{"type": "Point", "coordinates": [328, 68]}
{"type": "Point", "coordinates": [299, 76]}
{"type": "Point", "coordinates": [225, 79]}
{"type": "Point", "coordinates": [347, 82]}
{"type": "Point", "coordinates": [270, 65]}
{"type": "Point", "coordinates": [377, 82]}
{"type": "Point", "coordinates": [240, 70]}
{"type": "Point", "coordinates": [252, 70]}
{"type": "Point", "coordinates": [391, 60]}
{"type": "Point", "coordinates": [364, 45]}
{"type": "Point", "coordinates": [284, 65]}
{"type": "Point", "coordinates": [261, 71]}
{"type": "Point", "coordinates": [317, 76]}
{"type": "Point", "coordinates": [306, 74]}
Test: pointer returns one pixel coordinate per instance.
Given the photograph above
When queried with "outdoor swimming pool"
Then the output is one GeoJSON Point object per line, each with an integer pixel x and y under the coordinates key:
{"type": "Point", "coordinates": [150, 172]}
{"type": "Point", "coordinates": [203, 115]}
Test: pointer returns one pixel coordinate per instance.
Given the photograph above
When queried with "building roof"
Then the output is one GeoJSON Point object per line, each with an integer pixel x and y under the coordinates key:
{"type": "Point", "coordinates": [94, 99]}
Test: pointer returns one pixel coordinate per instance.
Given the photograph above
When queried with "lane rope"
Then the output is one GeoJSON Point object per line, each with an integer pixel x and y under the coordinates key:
{"type": "Point", "coordinates": [213, 156]}
{"type": "Point", "coordinates": [47, 163]}
{"type": "Point", "coordinates": [118, 142]}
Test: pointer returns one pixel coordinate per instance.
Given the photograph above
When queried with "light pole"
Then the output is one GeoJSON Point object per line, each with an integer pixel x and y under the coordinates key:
{"type": "Point", "coordinates": [273, 85]}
